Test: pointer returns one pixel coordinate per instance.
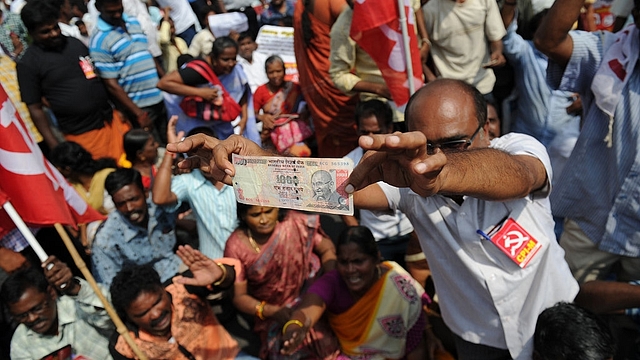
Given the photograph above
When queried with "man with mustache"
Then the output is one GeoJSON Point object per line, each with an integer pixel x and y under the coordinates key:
{"type": "Point", "coordinates": [174, 321]}
{"type": "Point", "coordinates": [138, 232]}
{"type": "Point", "coordinates": [58, 315]}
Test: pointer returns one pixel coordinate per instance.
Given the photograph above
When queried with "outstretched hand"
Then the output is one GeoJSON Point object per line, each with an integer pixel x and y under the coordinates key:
{"type": "Point", "coordinates": [213, 156]}
{"type": "Point", "coordinates": [205, 271]}
{"type": "Point", "coordinates": [292, 339]}
{"type": "Point", "coordinates": [401, 160]}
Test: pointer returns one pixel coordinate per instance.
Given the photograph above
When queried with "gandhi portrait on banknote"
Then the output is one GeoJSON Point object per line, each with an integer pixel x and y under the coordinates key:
{"type": "Point", "coordinates": [324, 189]}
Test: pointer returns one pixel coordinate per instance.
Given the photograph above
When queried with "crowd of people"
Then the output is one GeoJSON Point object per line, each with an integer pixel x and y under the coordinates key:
{"type": "Point", "coordinates": [497, 211]}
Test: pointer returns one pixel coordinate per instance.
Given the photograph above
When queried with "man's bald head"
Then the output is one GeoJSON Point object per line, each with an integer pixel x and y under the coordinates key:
{"type": "Point", "coordinates": [445, 89]}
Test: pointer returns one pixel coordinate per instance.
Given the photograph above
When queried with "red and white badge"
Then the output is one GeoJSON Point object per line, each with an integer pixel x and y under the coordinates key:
{"type": "Point", "coordinates": [515, 242]}
{"type": "Point", "coordinates": [87, 67]}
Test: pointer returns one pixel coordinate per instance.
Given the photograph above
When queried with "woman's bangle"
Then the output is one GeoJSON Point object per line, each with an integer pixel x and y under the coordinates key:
{"type": "Point", "coordinates": [260, 310]}
{"type": "Point", "coordinates": [291, 322]}
{"type": "Point", "coordinates": [223, 277]}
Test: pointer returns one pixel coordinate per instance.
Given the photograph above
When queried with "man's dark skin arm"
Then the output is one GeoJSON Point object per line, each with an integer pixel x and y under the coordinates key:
{"type": "Point", "coordinates": [42, 124]}
{"type": "Point", "coordinates": [142, 117]}
{"type": "Point", "coordinates": [552, 37]}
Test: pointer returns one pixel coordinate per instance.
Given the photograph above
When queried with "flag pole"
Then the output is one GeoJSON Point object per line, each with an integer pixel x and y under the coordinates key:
{"type": "Point", "coordinates": [42, 255]}
{"type": "Point", "coordinates": [407, 48]}
{"type": "Point", "coordinates": [120, 327]}
{"type": "Point", "coordinates": [15, 217]}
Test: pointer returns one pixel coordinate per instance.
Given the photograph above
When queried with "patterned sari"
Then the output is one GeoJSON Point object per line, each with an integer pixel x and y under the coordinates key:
{"type": "Point", "coordinates": [377, 325]}
{"type": "Point", "coordinates": [278, 275]}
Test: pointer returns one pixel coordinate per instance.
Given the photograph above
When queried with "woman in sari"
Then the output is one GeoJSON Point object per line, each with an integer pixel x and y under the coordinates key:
{"type": "Point", "coordinates": [190, 81]}
{"type": "Point", "coordinates": [280, 252]}
{"type": "Point", "coordinates": [278, 100]}
{"type": "Point", "coordinates": [85, 174]}
{"type": "Point", "coordinates": [374, 308]}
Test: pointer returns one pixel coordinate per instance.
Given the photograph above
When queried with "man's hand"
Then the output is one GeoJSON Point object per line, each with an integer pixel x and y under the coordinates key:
{"type": "Point", "coordinates": [497, 60]}
{"type": "Point", "coordinates": [143, 119]}
{"type": "Point", "coordinates": [205, 271]}
{"type": "Point", "coordinates": [400, 160]}
{"type": "Point", "coordinates": [59, 276]}
{"type": "Point", "coordinates": [213, 156]}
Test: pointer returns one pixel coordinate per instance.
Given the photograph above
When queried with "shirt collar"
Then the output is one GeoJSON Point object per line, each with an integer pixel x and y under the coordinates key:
{"type": "Point", "coordinates": [106, 27]}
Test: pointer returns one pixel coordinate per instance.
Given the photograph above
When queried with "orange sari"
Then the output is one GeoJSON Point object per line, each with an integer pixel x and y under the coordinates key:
{"type": "Point", "coordinates": [331, 110]}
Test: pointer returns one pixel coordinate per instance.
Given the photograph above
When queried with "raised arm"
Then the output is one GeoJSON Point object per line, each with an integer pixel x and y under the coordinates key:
{"type": "Point", "coordinates": [401, 160]}
{"type": "Point", "coordinates": [161, 193]}
{"type": "Point", "coordinates": [552, 37]}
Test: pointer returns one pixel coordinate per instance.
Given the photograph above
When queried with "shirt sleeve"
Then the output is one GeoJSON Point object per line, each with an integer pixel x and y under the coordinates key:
{"type": "Point", "coordinates": [106, 261]}
{"type": "Point", "coordinates": [343, 55]}
{"type": "Point", "coordinates": [521, 144]}
{"type": "Point", "coordinates": [91, 309]}
{"type": "Point", "coordinates": [514, 46]}
{"type": "Point", "coordinates": [585, 60]}
{"type": "Point", "coordinates": [104, 62]}
{"type": "Point", "coordinates": [494, 27]}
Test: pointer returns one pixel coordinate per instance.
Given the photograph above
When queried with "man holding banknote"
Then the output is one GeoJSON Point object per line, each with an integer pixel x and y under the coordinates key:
{"type": "Point", "coordinates": [480, 209]}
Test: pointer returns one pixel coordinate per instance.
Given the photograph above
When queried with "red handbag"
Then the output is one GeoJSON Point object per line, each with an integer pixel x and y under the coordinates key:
{"type": "Point", "coordinates": [199, 108]}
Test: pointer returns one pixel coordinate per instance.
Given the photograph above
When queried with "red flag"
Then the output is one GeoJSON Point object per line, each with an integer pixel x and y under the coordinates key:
{"type": "Point", "coordinates": [376, 28]}
{"type": "Point", "coordinates": [38, 192]}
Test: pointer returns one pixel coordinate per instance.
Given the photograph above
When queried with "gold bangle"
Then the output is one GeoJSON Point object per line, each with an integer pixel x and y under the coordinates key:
{"type": "Point", "coordinates": [260, 310]}
{"type": "Point", "coordinates": [223, 277]}
{"type": "Point", "coordinates": [291, 322]}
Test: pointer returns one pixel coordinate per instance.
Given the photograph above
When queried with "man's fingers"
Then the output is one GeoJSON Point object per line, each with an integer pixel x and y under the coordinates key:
{"type": "Point", "coordinates": [366, 172]}
{"type": "Point", "coordinates": [394, 142]}
{"type": "Point", "coordinates": [189, 145]}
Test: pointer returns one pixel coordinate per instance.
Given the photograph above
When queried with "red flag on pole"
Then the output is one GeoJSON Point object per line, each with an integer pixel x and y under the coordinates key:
{"type": "Point", "coordinates": [39, 193]}
{"type": "Point", "coordinates": [376, 28]}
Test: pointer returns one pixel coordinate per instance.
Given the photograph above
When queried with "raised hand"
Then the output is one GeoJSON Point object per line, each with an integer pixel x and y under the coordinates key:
{"type": "Point", "coordinates": [59, 276]}
{"type": "Point", "coordinates": [205, 271]}
{"type": "Point", "coordinates": [213, 156]}
{"type": "Point", "coordinates": [401, 160]}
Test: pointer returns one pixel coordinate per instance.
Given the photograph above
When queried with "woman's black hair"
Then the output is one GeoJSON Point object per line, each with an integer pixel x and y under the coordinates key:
{"type": "Point", "coordinates": [221, 43]}
{"type": "Point", "coordinates": [271, 59]}
{"type": "Point", "coordinates": [133, 142]}
{"type": "Point", "coordinates": [73, 156]}
{"type": "Point", "coordinates": [241, 212]}
{"type": "Point", "coordinates": [361, 236]}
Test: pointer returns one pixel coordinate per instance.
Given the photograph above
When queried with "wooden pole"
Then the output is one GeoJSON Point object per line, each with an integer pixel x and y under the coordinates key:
{"type": "Point", "coordinates": [120, 327]}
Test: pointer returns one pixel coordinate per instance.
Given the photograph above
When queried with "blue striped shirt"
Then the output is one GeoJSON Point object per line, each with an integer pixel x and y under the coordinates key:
{"type": "Point", "coordinates": [600, 188]}
{"type": "Point", "coordinates": [215, 210]}
{"type": "Point", "coordinates": [124, 55]}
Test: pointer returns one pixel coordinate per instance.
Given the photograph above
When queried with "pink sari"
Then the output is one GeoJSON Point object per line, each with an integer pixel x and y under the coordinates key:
{"type": "Point", "coordinates": [279, 274]}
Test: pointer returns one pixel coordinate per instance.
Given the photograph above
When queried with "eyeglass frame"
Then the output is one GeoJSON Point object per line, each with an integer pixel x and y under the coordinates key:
{"type": "Point", "coordinates": [36, 310]}
{"type": "Point", "coordinates": [454, 145]}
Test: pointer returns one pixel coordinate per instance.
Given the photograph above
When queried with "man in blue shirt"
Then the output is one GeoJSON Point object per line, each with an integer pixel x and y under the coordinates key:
{"type": "Point", "coordinates": [139, 232]}
{"type": "Point", "coordinates": [119, 50]}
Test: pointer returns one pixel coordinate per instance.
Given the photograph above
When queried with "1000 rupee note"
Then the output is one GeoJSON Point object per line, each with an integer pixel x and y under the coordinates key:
{"type": "Point", "coordinates": [296, 183]}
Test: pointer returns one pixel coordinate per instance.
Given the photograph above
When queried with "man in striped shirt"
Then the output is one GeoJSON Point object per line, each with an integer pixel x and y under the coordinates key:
{"type": "Point", "coordinates": [121, 57]}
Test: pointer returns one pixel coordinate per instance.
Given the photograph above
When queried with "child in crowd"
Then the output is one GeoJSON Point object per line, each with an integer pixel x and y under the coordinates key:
{"type": "Point", "coordinates": [252, 62]}
{"type": "Point", "coordinates": [203, 41]}
{"type": "Point", "coordinates": [279, 102]}
{"type": "Point", "coordinates": [172, 46]}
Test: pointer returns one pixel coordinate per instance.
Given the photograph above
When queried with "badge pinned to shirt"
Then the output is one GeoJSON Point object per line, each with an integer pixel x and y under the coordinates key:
{"type": "Point", "coordinates": [514, 241]}
{"type": "Point", "coordinates": [87, 67]}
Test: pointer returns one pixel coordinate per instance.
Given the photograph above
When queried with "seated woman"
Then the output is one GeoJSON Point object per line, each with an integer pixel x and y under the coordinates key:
{"type": "Point", "coordinates": [141, 150]}
{"type": "Point", "coordinates": [85, 174]}
{"type": "Point", "coordinates": [279, 101]}
{"type": "Point", "coordinates": [374, 308]}
{"type": "Point", "coordinates": [207, 81]}
{"type": "Point", "coordinates": [280, 252]}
